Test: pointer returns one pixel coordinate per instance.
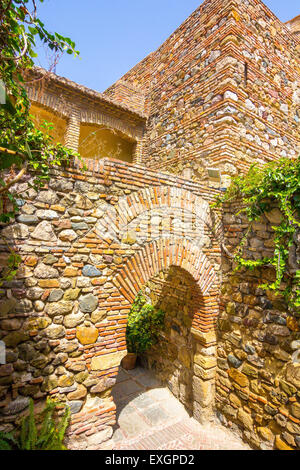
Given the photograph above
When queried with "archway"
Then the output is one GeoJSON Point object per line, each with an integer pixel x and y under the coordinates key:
{"type": "Point", "coordinates": [175, 292]}
{"type": "Point", "coordinates": [182, 260]}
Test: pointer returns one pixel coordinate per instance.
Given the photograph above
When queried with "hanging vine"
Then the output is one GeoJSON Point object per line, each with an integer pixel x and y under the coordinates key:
{"type": "Point", "coordinates": [26, 153]}
{"type": "Point", "coordinates": [276, 184]}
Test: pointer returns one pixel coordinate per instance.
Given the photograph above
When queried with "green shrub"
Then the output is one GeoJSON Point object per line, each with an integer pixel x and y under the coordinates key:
{"type": "Point", "coordinates": [144, 324]}
{"type": "Point", "coordinates": [46, 435]}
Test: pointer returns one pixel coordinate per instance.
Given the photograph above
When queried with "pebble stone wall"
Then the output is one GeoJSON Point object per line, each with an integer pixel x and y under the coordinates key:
{"type": "Point", "coordinates": [258, 377]}
{"type": "Point", "coordinates": [63, 318]}
{"type": "Point", "coordinates": [223, 92]}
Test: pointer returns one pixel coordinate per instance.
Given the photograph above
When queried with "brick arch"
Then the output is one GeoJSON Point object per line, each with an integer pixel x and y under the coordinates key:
{"type": "Point", "coordinates": [50, 102]}
{"type": "Point", "coordinates": [163, 196]}
{"type": "Point", "coordinates": [162, 254]}
{"type": "Point", "coordinates": [143, 265]}
{"type": "Point", "coordinates": [64, 108]}
{"type": "Point", "coordinates": [104, 121]}
{"type": "Point", "coordinates": [99, 140]}
{"type": "Point", "coordinates": [107, 125]}
{"type": "Point", "coordinates": [132, 206]}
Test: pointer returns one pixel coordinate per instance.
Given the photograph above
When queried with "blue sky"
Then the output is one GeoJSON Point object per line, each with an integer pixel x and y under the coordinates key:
{"type": "Point", "coordinates": [113, 35]}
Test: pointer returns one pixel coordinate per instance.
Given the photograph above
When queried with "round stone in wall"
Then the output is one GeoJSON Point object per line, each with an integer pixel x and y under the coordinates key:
{"type": "Point", "coordinates": [47, 197]}
{"type": "Point", "coordinates": [90, 271]}
{"type": "Point", "coordinates": [88, 303]}
{"type": "Point", "coordinates": [43, 271]}
{"type": "Point", "coordinates": [15, 231]}
{"type": "Point", "coordinates": [55, 295]}
{"type": "Point", "coordinates": [67, 235]}
{"type": "Point", "coordinates": [44, 232]}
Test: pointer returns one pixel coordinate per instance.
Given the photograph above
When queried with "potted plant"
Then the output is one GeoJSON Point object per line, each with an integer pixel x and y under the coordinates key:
{"type": "Point", "coordinates": [144, 324]}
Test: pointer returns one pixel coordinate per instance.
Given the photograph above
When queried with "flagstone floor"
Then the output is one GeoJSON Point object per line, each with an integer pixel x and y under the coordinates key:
{"type": "Point", "coordinates": [150, 418]}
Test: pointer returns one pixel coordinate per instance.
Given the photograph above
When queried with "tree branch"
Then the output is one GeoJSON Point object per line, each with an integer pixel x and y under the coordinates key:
{"type": "Point", "coordinates": [12, 152]}
{"type": "Point", "coordinates": [5, 10]}
{"type": "Point", "coordinates": [15, 180]}
{"type": "Point", "coordinates": [16, 59]}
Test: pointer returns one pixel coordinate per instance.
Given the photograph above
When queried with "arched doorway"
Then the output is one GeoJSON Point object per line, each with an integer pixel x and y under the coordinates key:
{"type": "Point", "coordinates": [175, 292]}
{"type": "Point", "coordinates": [177, 236]}
{"type": "Point", "coordinates": [172, 364]}
{"type": "Point", "coordinates": [176, 270]}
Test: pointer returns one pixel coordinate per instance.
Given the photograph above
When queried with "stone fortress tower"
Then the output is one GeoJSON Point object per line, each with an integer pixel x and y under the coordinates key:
{"type": "Point", "coordinates": [221, 93]}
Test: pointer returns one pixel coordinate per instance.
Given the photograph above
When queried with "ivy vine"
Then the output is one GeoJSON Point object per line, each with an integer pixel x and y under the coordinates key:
{"type": "Point", "coordinates": [276, 184]}
{"type": "Point", "coordinates": [26, 153]}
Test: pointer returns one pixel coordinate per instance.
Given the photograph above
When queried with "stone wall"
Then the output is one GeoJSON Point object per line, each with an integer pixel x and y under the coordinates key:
{"type": "Point", "coordinates": [172, 358]}
{"type": "Point", "coordinates": [223, 92]}
{"type": "Point", "coordinates": [129, 94]}
{"type": "Point", "coordinates": [89, 242]}
{"type": "Point", "coordinates": [294, 25]}
{"type": "Point", "coordinates": [257, 387]}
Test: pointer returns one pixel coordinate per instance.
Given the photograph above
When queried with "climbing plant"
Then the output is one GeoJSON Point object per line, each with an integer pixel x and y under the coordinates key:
{"type": "Point", "coordinates": [276, 184]}
{"type": "Point", "coordinates": [26, 153]}
{"type": "Point", "coordinates": [144, 324]}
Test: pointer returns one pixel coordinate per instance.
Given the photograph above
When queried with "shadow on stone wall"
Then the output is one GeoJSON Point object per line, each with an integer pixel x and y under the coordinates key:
{"type": "Point", "coordinates": [172, 359]}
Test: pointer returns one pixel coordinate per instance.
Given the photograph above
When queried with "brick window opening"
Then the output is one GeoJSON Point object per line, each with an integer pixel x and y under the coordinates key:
{"type": "Point", "coordinates": [59, 124]}
{"type": "Point", "coordinates": [96, 142]}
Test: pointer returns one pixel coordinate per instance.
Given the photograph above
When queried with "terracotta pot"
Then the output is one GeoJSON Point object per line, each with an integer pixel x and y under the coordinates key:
{"type": "Point", "coordinates": [128, 362]}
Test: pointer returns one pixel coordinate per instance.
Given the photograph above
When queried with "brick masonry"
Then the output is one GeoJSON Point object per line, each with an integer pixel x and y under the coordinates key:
{"type": "Point", "coordinates": [258, 341]}
{"type": "Point", "coordinates": [64, 317]}
{"type": "Point", "coordinates": [220, 94]}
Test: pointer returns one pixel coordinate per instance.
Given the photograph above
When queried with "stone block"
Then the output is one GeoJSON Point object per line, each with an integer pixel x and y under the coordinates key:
{"type": "Point", "coordinates": [88, 303]}
{"type": "Point", "coordinates": [78, 394]}
{"type": "Point", "coordinates": [87, 335]}
{"type": "Point", "coordinates": [107, 361]}
{"type": "Point", "coordinates": [44, 232]}
{"type": "Point", "coordinates": [206, 362]}
{"type": "Point", "coordinates": [201, 414]}
{"type": "Point", "coordinates": [205, 374]}
{"type": "Point", "coordinates": [238, 377]}
{"type": "Point", "coordinates": [103, 385]}
{"type": "Point", "coordinates": [184, 357]}
{"type": "Point", "coordinates": [100, 437]}
{"type": "Point", "coordinates": [59, 308]}
{"type": "Point", "coordinates": [293, 374]}
{"type": "Point", "coordinates": [245, 418]}
{"type": "Point", "coordinates": [281, 445]}
{"type": "Point", "coordinates": [206, 338]}
{"type": "Point", "coordinates": [203, 391]}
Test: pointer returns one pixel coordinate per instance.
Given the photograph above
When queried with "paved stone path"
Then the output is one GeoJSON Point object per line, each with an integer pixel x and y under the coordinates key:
{"type": "Point", "coordinates": [150, 418]}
